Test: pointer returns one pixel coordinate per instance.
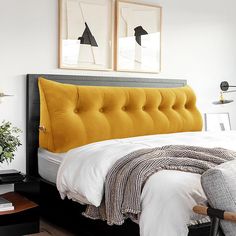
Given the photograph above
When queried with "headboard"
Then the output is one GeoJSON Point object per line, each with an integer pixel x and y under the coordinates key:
{"type": "Point", "coordinates": [32, 99]}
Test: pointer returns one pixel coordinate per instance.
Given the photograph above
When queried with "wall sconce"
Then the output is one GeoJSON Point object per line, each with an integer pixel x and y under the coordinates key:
{"type": "Point", "coordinates": [4, 95]}
{"type": "Point", "coordinates": [224, 86]}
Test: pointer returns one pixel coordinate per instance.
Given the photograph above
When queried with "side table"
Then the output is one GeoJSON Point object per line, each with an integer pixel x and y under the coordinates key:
{"type": "Point", "coordinates": [24, 219]}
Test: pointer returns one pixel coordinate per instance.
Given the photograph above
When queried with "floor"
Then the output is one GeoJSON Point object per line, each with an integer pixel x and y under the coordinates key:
{"type": "Point", "coordinates": [47, 229]}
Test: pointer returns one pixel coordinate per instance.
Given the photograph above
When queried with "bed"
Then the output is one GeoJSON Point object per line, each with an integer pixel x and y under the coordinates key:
{"type": "Point", "coordinates": [66, 212]}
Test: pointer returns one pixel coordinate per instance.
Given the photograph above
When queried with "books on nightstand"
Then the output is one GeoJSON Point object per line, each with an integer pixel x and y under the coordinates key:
{"type": "Point", "coordinates": [5, 205]}
{"type": "Point", "coordinates": [10, 176]}
{"type": "Point", "coordinates": [6, 177]}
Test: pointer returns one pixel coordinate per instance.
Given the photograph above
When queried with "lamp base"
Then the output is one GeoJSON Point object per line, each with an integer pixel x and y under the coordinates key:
{"type": "Point", "coordinates": [220, 102]}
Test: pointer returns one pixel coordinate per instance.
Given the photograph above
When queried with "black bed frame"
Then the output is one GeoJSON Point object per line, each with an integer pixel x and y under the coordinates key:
{"type": "Point", "coordinates": [67, 213]}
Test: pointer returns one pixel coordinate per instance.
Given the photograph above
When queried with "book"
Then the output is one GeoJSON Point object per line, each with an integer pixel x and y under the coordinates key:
{"type": "Point", "coordinates": [4, 203]}
{"type": "Point", "coordinates": [9, 172]}
{"type": "Point", "coordinates": [9, 208]}
{"type": "Point", "coordinates": [11, 178]}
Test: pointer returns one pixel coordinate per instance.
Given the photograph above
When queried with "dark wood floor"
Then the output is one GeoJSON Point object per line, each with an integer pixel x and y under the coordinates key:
{"type": "Point", "coordinates": [48, 229]}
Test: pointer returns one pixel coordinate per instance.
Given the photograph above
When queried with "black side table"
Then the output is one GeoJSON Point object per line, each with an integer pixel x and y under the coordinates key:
{"type": "Point", "coordinates": [24, 219]}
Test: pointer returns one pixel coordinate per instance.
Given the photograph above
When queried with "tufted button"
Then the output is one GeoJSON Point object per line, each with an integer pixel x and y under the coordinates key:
{"type": "Point", "coordinates": [76, 110]}
{"type": "Point", "coordinates": [124, 108]}
{"type": "Point", "coordinates": [101, 109]}
{"type": "Point", "coordinates": [143, 108]}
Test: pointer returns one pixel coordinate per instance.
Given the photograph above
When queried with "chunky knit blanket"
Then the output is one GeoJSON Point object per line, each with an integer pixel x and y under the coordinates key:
{"type": "Point", "coordinates": [125, 180]}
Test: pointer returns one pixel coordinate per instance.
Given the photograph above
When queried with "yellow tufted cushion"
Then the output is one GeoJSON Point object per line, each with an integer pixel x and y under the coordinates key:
{"type": "Point", "coordinates": [77, 115]}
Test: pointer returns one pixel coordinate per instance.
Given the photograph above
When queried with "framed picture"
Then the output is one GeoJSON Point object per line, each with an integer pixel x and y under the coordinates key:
{"type": "Point", "coordinates": [86, 34]}
{"type": "Point", "coordinates": [138, 37]}
{"type": "Point", "coordinates": [217, 122]}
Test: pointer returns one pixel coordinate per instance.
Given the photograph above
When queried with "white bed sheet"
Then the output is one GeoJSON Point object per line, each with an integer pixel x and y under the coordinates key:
{"type": "Point", "coordinates": [48, 164]}
{"type": "Point", "coordinates": [167, 197]}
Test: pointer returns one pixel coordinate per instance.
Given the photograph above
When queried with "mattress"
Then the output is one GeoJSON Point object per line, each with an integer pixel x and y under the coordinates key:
{"type": "Point", "coordinates": [49, 163]}
{"type": "Point", "coordinates": [168, 196]}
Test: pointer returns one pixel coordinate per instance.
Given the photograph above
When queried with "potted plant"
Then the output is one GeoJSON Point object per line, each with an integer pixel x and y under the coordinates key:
{"type": "Point", "coordinates": [9, 141]}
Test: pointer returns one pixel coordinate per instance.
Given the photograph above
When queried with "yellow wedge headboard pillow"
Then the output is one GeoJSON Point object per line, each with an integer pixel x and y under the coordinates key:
{"type": "Point", "coordinates": [77, 115]}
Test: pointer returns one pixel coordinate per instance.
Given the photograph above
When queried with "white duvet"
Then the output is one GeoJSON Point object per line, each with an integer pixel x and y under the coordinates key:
{"type": "Point", "coordinates": [167, 197]}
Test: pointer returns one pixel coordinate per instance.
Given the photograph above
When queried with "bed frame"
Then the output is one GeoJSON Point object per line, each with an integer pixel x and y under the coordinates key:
{"type": "Point", "coordinates": [67, 213]}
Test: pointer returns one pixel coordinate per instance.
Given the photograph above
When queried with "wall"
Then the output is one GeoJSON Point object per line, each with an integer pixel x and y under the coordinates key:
{"type": "Point", "coordinates": [198, 45]}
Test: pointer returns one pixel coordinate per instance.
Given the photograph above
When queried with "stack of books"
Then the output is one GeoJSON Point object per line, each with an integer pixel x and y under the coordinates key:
{"type": "Point", "coordinates": [5, 205]}
{"type": "Point", "coordinates": [10, 176]}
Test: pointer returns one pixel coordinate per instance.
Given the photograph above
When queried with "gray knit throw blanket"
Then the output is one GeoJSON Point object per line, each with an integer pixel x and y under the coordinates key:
{"type": "Point", "coordinates": [125, 180]}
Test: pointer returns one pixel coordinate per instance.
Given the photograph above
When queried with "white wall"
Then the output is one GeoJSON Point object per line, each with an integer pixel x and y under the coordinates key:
{"type": "Point", "coordinates": [198, 45]}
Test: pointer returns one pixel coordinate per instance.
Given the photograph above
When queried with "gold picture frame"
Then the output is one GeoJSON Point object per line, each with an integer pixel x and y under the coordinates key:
{"type": "Point", "coordinates": [138, 37]}
{"type": "Point", "coordinates": [83, 43]}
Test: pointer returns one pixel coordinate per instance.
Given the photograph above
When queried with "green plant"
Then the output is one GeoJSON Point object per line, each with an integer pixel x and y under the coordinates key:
{"type": "Point", "coordinates": [9, 141]}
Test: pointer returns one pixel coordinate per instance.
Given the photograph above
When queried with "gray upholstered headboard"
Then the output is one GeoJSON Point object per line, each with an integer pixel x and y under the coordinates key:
{"type": "Point", "coordinates": [32, 99]}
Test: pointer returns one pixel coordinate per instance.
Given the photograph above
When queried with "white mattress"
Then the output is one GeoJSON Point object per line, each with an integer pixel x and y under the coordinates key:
{"type": "Point", "coordinates": [49, 163]}
{"type": "Point", "coordinates": [168, 196]}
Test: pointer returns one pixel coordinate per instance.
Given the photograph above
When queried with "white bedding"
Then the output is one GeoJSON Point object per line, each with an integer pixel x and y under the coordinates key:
{"type": "Point", "coordinates": [167, 197]}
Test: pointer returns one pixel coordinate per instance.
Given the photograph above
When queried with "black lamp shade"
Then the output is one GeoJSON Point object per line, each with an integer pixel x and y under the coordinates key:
{"type": "Point", "coordinates": [224, 85]}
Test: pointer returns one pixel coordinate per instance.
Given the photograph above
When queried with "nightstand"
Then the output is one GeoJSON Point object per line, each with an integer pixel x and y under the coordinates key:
{"type": "Point", "coordinates": [24, 219]}
{"type": "Point", "coordinates": [29, 187]}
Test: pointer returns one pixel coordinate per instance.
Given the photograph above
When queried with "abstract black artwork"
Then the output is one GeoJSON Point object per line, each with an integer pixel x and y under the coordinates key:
{"type": "Point", "coordinates": [138, 37]}
{"type": "Point", "coordinates": [139, 31]}
{"type": "Point", "coordinates": [86, 34]}
{"type": "Point", "coordinates": [87, 37]}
